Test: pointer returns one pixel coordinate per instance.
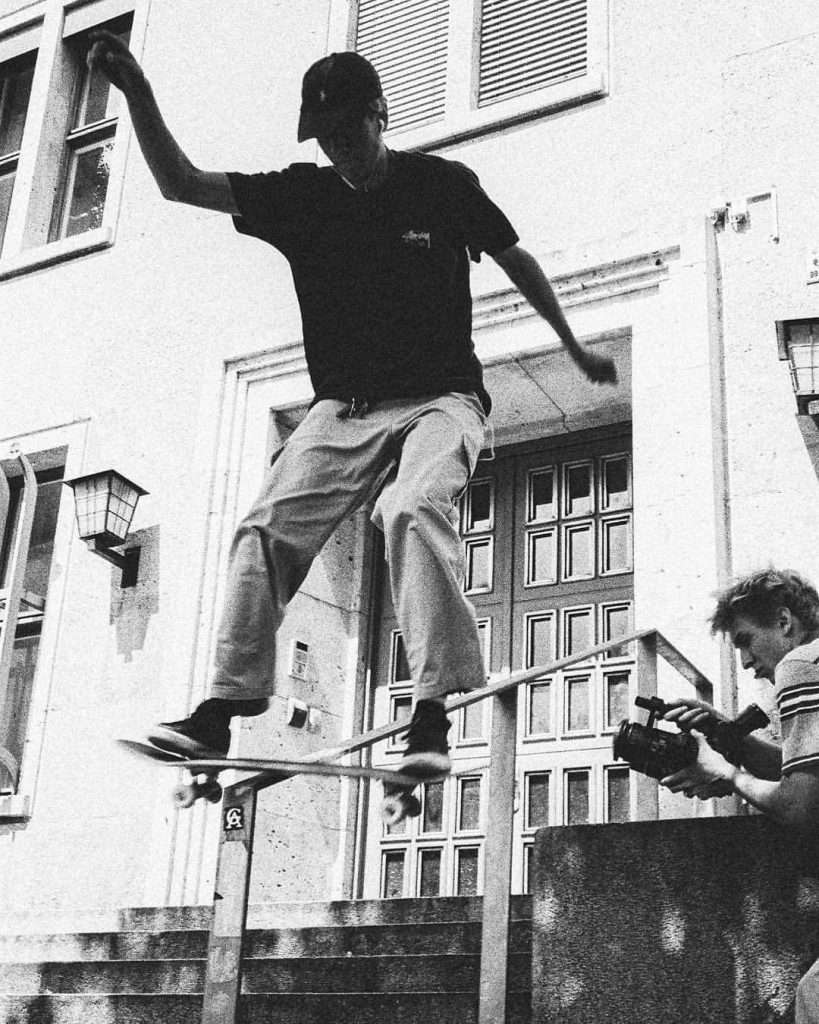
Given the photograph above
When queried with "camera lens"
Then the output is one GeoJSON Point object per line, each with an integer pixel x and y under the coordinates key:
{"type": "Point", "coordinates": [653, 752]}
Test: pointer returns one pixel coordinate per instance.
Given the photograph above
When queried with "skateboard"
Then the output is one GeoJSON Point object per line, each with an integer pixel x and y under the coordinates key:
{"type": "Point", "coordinates": [399, 800]}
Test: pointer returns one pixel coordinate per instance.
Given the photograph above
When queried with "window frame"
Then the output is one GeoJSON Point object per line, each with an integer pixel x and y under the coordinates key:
{"type": "Point", "coordinates": [28, 618]}
{"type": "Point", "coordinates": [43, 165]}
{"type": "Point", "coordinates": [83, 137]}
{"type": "Point", "coordinates": [63, 446]}
{"type": "Point", "coordinates": [463, 118]}
{"type": "Point", "coordinates": [9, 161]}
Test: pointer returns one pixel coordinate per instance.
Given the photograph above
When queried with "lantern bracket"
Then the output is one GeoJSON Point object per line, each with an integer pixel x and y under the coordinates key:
{"type": "Point", "coordinates": [127, 560]}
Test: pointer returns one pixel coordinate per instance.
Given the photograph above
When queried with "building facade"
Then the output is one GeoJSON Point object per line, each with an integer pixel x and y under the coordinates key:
{"type": "Point", "coordinates": [657, 158]}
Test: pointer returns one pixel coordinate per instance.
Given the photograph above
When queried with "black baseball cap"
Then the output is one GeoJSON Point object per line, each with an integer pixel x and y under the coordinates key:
{"type": "Point", "coordinates": [335, 87]}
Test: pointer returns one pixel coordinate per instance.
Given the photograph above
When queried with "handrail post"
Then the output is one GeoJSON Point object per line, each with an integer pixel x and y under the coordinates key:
{"type": "Point", "coordinates": [648, 797]}
{"type": "Point", "coordinates": [223, 972]}
{"type": "Point", "coordinates": [498, 860]}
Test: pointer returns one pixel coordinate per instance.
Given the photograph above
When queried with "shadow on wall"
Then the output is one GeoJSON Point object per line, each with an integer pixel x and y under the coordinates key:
{"type": "Point", "coordinates": [132, 607]}
{"type": "Point", "coordinates": [707, 921]}
{"type": "Point", "coordinates": [810, 433]}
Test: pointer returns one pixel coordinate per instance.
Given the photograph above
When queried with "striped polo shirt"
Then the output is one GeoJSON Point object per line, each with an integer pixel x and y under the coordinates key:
{"type": "Point", "coordinates": [797, 696]}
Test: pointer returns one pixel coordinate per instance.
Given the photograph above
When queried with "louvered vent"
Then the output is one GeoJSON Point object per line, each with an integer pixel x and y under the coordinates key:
{"type": "Point", "coordinates": [530, 44]}
{"type": "Point", "coordinates": [406, 40]}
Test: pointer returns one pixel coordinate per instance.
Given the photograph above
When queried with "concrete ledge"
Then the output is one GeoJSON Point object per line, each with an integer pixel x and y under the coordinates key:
{"type": "Point", "coordinates": [704, 921]}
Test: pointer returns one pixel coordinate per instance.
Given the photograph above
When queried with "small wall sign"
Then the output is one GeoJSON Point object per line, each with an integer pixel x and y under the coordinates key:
{"type": "Point", "coordinates": [812, 267]}
{"type": "Point", "coordinates": [234, 819]}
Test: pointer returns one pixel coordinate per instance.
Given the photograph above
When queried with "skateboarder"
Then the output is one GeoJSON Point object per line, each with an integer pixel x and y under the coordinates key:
{"type": "Point", "coordinates": [379, 244]}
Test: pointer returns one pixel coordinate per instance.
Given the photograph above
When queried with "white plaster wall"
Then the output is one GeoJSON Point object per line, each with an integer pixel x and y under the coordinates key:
{"type": "Point", "coordinates": [704, 100]}
{"type": "Point", "coordinates": [134, 339]}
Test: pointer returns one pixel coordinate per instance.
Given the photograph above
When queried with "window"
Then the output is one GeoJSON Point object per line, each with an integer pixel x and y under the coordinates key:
{"type": "Point", "coordinates": [15, 89]}
{"type": "Point", "coordinates": [577, 703]}
{"type": "Point", "coordinates": [469, 805]}
{"type": "Point", "coordinates": [432, 816]}
{"type": "Point", "coordinates": [467, 880]}
{"type": "Point", "coordinates": [576, 796]}
{"type": "Point", "coordinates": [541, 495]}
{"type": "Point", "coordinates": [429, 872]}
{"type": "Point", "coordinates": [539, 709]}
{"type": "Point", "coordinates": [451, 68]}
{"type": "Point", "coordinates": [58, 120]}
{"type": "Point", "coordinates": [89, 142]}
{"type": "Point", "coordinates": [478, 565]}
{"type": "Point", "coordinates": [618, 795]}
{"type": "Point", "coordinates": [400, 711]}
{"type": "Point", "coordinates": [617, 698]}
{"type": "Point", "coordinates": [478, 507]}
{"type": "Point", "coordinates": [392, 875]}
{"type": "Point", "coordinates": [400, 665]}
{"type": "Point", "coordinates": [541, 558]}
{"type": "Point", "coordinates": [538, 797]}
{"type": "Point", "coordinates": [17, 675]}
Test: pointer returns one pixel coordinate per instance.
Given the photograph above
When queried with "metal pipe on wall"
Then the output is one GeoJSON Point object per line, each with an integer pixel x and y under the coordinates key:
{"type": "Point", "coordinates": [720, 453]}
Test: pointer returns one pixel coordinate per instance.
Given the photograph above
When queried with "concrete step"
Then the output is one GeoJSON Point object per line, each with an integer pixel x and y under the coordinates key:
{"type": "Point", "coordinates": [401, 961]}
{"type": "Point", "coordinates": [268, 915]}
{"type": "Point", "coordinates": [346, 940]}
{"type": "Point", "coordinates": [301, 1008]}
{"type": "Point", "coordinates": [172, 945]}
{"type": "Point", "coordinates": [433, 973]}
{"type": "Point", "coordinates": [380, 940]}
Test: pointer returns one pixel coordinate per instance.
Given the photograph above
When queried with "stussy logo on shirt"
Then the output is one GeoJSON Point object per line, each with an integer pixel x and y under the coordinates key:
{"type": "Point", "coordinates": [417, 239]}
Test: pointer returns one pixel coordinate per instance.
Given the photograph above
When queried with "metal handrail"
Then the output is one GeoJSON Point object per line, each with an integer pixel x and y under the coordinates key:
{"type": "Point", "coordinates": [224, 959]}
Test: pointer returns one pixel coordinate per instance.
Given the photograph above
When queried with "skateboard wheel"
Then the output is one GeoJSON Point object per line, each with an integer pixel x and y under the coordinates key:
{"type": "Point", "coordinates": [392, 811]}
{"type": "Point", "coordinates": [211, 791]}
{"type": "Point", "coordinates": [184, 796]}
{"type": "Point", "coordinates": [398, 806]}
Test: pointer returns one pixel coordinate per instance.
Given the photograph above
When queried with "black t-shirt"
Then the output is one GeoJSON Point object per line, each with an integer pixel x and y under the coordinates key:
{"type": "Point", "coordinates": [382, 277]}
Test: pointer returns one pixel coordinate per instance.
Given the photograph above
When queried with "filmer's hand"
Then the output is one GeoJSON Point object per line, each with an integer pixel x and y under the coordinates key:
{"type": "Point", "coordinates": [599, 369]}
{"type": "Point", "coordinates": [111, 56]}
{"type": "Point", "coordinates": [710, 775]}
{"type": "Point", "coordinates": [689, 713]}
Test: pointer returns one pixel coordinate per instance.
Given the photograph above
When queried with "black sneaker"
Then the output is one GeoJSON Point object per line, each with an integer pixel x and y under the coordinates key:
{"type": "Point", "coordinates": [205, 734]}
{"type": "Point", "coordinates": [427, 750]}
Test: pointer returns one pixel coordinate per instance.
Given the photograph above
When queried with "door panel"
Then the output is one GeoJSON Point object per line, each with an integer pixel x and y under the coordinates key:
{"type": "Point", "coordinates": [547, 532]}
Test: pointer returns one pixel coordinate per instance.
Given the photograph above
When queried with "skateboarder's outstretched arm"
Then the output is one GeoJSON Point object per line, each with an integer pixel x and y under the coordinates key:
{"type": "Point", "coordinates": [176, 176]}
{"type": "Point", "coordinates": [524, 271]}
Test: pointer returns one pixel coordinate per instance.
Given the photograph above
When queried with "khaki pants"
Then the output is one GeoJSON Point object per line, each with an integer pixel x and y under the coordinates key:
{"type": "Point", "coordinates": [417, 455]}
{"type": "Point", "coordinates": [807, 997]}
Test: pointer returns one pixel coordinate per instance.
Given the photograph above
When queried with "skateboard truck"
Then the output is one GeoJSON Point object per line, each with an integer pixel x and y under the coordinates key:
{"type": "Point", "coordinates": [201, 787]}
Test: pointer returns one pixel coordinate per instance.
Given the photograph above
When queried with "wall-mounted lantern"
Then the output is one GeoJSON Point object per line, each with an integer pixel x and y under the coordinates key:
{"type": "Point", "coordinates": [105, 504]}
{"type": "Point", "coordinates": [798, 342]}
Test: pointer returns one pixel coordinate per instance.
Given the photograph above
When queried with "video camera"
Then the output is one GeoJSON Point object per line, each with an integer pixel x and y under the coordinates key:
{"type": "Point", "coordinates": [660, 752]}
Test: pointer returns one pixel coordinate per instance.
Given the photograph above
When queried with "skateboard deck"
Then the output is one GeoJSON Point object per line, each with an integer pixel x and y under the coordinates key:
{"type": "Point", "coordinates": [398, 801]}
{"type": "Point", "coordinates": [215, 765]}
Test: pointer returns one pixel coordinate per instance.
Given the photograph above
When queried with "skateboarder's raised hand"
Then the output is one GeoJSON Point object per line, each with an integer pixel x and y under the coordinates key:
{"type": "Point", "coordinates": [178, 179]}
{"type": "Point", "coordinates": [111, 56]}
